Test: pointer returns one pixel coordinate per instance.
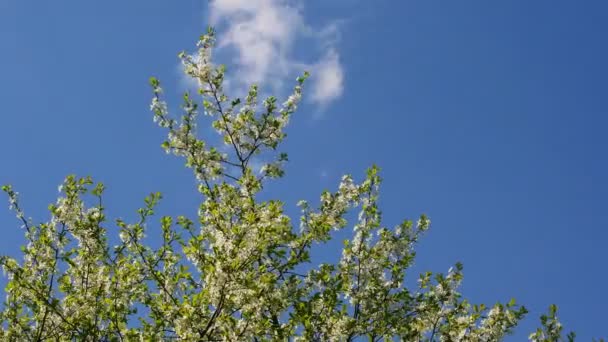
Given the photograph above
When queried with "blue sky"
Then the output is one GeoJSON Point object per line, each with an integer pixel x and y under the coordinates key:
{"type": "Point", "coordinates": [488, 116]}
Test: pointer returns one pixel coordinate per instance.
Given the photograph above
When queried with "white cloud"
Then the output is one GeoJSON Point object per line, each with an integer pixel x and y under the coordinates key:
{"type": "Point", "coordinates": [262, 34]}
{"type": "Point", "coordinates": [329, 83]}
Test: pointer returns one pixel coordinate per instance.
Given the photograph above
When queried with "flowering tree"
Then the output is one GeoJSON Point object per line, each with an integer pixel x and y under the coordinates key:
{"type": "Point", "coordinates": [238, 271]}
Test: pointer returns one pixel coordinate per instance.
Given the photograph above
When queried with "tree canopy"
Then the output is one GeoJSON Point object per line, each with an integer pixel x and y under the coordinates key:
{"type": "Point", "coordinates": [239, 270]}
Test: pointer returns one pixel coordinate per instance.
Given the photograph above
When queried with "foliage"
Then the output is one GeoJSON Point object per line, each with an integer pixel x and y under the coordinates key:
{"type": "Point", "coordinates": [239, 270]}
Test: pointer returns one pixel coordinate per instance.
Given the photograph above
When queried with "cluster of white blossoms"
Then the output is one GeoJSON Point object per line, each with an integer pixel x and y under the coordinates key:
{"type": "Point", "coordinates": [240, 271]}
{"type": "Point", "coordinates": [551, 328]}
